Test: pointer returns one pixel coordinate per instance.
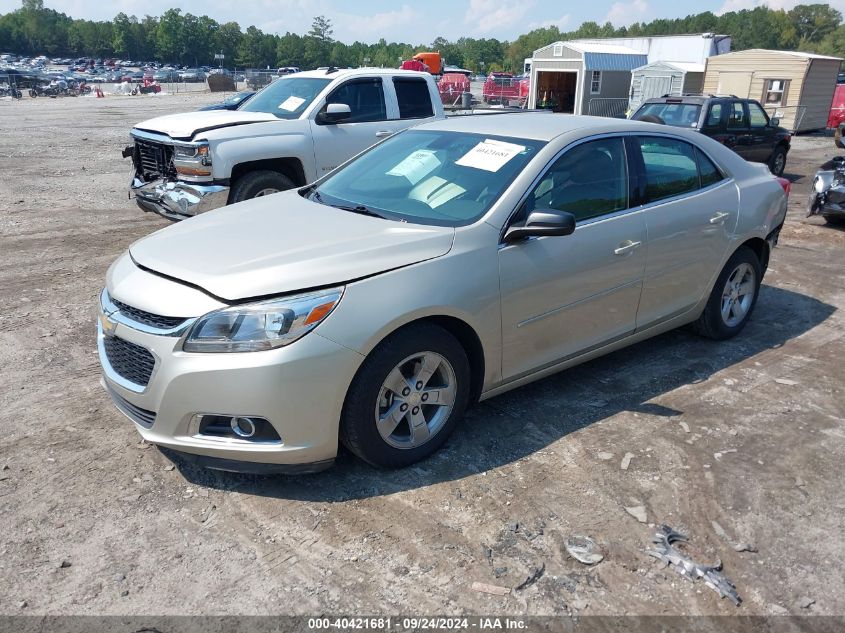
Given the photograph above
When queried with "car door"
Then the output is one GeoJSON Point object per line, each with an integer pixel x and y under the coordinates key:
{"type": "Point", "coordinates": [738, 132]}
{"type": "Point", "coordinates": [561, 296]}
{"type": "Point", "coordinates": [369, 122]}
{"type": "Point", "coordinates": [762, 134]}
{"type": "Point", "coordinates": [690, 213]}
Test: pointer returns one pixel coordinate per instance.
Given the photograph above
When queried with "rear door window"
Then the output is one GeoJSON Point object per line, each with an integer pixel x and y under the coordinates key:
{"type": "Point", "coordinates": [670, 167]}
{"type": "Point", "coordinates": [413, 97]}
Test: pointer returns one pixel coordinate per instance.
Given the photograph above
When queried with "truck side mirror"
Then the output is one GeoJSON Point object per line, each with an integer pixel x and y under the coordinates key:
{"type": "Point", "coordinates": [334, 113]}
{"type": "Point", "coordinates": [775, 121]}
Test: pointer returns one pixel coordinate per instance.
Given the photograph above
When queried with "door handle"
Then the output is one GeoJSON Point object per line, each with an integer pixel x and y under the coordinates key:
{"type": "Point", "coordinates": [383, 133]}
{"type": "Point", "coordinates": [626, 247]}
{"type": "Point", "coordinates": [719, 218]}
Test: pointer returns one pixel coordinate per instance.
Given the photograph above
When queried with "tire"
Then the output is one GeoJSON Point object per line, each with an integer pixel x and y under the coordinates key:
{"type": "Point", "coordinates": [32, 93]}
{"type": "Point", "coordinates": [712, 323]}
{"type": "Point", "coordinates": [370, 396]}
{"type": "Point", "coordinates": [777, 162]}
{"type": "Point", "coordinates": [259, 183]}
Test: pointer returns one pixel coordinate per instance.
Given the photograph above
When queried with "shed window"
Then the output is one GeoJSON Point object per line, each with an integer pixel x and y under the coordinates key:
{"type": "Point", "coordinates": [775, 92]}
{"type": "Point", "coordinates": [595, 82]}
{"type": "Point", "coordinates": [557, 50]}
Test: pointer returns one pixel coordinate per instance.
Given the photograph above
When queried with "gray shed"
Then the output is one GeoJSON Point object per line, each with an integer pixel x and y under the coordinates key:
{"type": "Point", "coordinates": [665, 78]}
{"type": "Point", "coordinates": [583, 77]}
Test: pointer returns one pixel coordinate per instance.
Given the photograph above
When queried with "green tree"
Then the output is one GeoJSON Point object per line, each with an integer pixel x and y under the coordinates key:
{"type": "Point", "coordinates": [813, 21]}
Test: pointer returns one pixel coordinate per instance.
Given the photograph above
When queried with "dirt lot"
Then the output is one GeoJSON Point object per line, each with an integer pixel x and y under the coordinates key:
{"type": "Point", "coordinates": [740, 442]}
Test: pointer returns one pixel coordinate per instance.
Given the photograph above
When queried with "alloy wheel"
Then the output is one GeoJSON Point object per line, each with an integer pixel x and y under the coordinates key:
{"type": "Point", "coordinates": [738, 295]}
{"type": "Point", "coordinates": [415, 400]}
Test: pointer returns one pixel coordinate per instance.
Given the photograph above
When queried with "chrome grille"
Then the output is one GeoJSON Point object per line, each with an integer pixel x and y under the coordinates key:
{"type": "Point", "coordinates": [136, 414]}
{"type": "Point", "coordinates": [153, 160]}
{"type": "Point", "coordinates": [148, 318]}
{"type": "Point", "coordinates": [131, 362]}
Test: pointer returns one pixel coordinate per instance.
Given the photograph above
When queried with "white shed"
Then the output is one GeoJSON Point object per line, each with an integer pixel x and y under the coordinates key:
{"type": "Point", "coordinates": [664, 78]}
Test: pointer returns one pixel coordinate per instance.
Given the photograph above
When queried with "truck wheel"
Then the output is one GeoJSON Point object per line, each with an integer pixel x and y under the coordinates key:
{"type": "Point", "coordinates": [777, 163]}
{"type": "Point", "coordinates": [259, 183]}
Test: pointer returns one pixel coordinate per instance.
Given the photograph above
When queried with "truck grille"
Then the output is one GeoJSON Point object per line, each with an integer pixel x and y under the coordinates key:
{"type": "Point", "coordinates": [153, 160]}
{"type": "Point", "coordinates": [148, 318]}
{"type": "Point", "coordinates": [130, 361]}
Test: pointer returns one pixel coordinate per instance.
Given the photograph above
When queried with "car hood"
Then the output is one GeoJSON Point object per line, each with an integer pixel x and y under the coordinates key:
{"type": "Point", "coordinates": [186, 124]}
{"type": "Point", "coordinates": [284, 243]}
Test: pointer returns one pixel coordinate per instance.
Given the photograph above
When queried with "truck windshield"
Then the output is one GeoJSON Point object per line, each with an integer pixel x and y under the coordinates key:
{"type": "Point", "coordinates": [287, 98]}
{"type": "Point", "coordinates": [429, 177]}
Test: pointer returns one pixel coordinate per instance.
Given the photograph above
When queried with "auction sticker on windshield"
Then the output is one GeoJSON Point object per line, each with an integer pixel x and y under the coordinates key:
{"type": "Point", "coordinates": [416, 166]}
{"type": "Point", "coordinates": [490, 155]}
{"type": "Point", "coordinates": [291, 103]}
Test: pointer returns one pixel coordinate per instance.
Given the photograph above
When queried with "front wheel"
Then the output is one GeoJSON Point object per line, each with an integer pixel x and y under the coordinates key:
{"type": "Point", "coordinates": [733, 298]}
{"type": "Point", "coordinates": [407, 397]}
{"type": "Point", "coordinates": [256, 184]}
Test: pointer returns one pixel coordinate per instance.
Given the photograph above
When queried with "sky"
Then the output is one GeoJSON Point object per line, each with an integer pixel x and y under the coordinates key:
{"type": "Point", "coordinates": [414, 22]}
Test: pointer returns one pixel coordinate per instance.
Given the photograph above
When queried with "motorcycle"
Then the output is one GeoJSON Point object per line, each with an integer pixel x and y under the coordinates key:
{"type": "Point", "coordinates": [827, 197]}
{"type": "Point", "coordinates": [146, 88]}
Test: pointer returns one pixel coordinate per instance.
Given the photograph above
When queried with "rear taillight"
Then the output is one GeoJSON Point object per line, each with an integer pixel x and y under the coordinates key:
{"type": "Point", "coordinates": [787, 186]}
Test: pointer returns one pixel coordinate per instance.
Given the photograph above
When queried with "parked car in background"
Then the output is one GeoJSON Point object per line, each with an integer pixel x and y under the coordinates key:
{"type": "Point", "coordinates": [296, 130]}
{"type": "Point", "coordinates": [740, 124]}
{"type": "Point", "coordinates": [191, 75]}
{"type": "Point", "coordinates": [257, 338]}
{"type": "Point", "coordinates": [232, 102]}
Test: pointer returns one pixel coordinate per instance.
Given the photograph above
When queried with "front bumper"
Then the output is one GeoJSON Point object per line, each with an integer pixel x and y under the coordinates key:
{"type": "Point", "coordinates": [177, 200]}
{"type": "Point", "coordinates": [299, 389]}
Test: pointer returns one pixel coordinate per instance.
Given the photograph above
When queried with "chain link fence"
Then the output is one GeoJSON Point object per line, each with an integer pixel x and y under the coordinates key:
{"type": "Point", "coordinates": [790, 117]}
{"type": "Point", "coordinates": [607, 106]}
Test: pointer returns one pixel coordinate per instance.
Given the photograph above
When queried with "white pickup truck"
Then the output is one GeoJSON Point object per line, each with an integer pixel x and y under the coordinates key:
{"type": "Point", "coordinates": [293, 132]}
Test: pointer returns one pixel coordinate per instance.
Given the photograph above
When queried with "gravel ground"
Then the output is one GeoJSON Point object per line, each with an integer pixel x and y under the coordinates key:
{"type": "Point", "coordinates": [732, 443]}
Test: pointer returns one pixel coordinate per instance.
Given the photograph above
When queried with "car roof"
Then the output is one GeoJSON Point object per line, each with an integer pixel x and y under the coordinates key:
{"type": "Point", "coordinates": [540, 126]}
{"type": "Point", "coordinates": [346, 72]}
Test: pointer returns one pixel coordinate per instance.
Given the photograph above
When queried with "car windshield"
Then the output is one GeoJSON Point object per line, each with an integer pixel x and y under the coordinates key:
{"type": "Point", "coordinates": [288, 97]}
{"type": "Point", "coordinates": [677, 114]}
{"type": "Point", "coordinates": [429, 177]}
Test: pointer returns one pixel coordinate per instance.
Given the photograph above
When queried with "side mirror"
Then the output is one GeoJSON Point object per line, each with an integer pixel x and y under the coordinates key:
{"type": "Point", "coordinates": [334, 113]}
{"type": "Point", "coordinates": [775, 121]}
{"type": "Point", "coordinates": [545, 222]}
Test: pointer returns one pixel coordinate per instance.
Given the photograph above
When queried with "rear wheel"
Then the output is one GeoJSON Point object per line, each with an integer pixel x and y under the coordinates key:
{"type": "Point", "coordinates": [733, 297]}
{"type": "Point", "coordinates": [257, 184]}
{"type": "Point", "coordinates": [407, 397]}
{"type": "Point", "coordinates": [777, 163]}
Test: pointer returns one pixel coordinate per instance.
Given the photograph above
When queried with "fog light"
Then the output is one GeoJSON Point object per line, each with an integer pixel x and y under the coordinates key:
{"type": "Point", "coordinates": [244, 427]}
{"type": "Point", "coordinates": [238, 427]}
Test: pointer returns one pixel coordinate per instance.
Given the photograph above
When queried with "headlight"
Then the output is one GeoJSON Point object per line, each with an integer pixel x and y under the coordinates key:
{"type": "Point", "coordinates": [192, 160]}
{"type": "Point", "coordinates": [261, 326]}
{"type": "Point", "coordinates": [823, 181]}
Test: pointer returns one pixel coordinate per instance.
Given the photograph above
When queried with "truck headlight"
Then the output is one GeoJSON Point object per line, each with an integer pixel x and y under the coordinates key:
{"type": "Point", "coordinates": [255, 327]}
{"type": "Point", "coordinates": [192, 160]}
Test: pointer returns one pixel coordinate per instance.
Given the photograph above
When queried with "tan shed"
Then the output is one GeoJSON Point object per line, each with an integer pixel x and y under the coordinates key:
{"type": "Point", "coordinates": [795, 87]}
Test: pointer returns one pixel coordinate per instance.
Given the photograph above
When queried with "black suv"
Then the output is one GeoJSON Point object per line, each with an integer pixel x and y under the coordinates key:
{"type": "Point", "coordinates": [741, 124]}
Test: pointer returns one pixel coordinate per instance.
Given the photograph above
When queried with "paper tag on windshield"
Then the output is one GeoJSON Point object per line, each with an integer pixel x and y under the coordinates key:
{"type": "Point", "coordinates": [490, 155]}
{"type": "Point", "coordinates": [291, 103]}
{"type": "Point", "coordinates": [416, 166]}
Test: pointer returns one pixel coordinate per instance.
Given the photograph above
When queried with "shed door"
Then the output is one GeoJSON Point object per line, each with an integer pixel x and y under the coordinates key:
{"type": "Point", "coordinates": [656, 86]}
{"type": "Point", "coordinates": [737, 84]}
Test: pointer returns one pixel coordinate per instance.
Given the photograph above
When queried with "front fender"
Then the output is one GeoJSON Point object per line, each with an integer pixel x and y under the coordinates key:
{"type": "Point", "coordinates": [262, 143]}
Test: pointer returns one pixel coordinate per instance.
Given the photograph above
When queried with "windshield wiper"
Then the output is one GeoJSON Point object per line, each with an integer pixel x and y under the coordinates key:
{"type": "Point", "coordinates": [360, 208]}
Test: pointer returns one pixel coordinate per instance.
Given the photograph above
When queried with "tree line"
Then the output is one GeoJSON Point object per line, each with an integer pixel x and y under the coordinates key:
{"type": "Point", "coordinates": [184, 38]}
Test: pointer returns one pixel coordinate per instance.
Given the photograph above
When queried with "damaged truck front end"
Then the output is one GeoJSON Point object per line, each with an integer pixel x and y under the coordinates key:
{"type": "Point", "coordinates": [173, 178]}
{"type": "Point", "coordinates": [827, 196]}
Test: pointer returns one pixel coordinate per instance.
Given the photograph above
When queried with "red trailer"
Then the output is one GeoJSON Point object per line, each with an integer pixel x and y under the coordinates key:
{"type": "Point", "coordinates": [837, 108]}
{"type": "Point", "coordinates": [451, 86]}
